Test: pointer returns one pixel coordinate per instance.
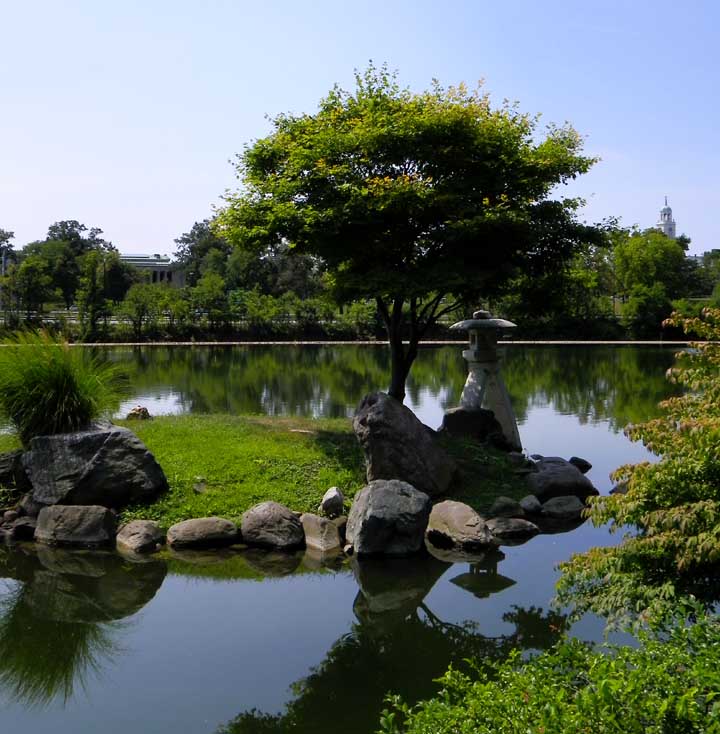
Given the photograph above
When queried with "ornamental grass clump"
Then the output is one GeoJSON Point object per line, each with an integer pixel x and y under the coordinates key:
{"type": "Point", "coordinates": [47, 386]}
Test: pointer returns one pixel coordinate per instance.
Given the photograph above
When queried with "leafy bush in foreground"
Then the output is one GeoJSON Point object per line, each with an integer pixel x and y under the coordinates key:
{"type": "Point", "coordinates": [48, 386]}
{"type": "Point", "coordinates": [664, 686]}
{"type": "Point", "coordinates": [673, 505]}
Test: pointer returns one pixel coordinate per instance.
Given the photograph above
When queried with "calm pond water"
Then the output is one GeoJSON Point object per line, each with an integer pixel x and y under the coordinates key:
{"type": "Point", "coordinates": [231, 643]}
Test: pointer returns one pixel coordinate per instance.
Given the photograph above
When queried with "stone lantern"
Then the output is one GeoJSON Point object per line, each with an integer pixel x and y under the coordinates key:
{"type": "Point", "coordinates": [484, 387]}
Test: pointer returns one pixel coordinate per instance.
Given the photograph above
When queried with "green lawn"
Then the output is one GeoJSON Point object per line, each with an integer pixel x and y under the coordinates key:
{"type": "Point", "coordinates": [239, 461]}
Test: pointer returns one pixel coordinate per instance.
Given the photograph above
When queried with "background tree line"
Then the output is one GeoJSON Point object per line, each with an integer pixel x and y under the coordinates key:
{"type": "Point", "coordinates": [625, 284]}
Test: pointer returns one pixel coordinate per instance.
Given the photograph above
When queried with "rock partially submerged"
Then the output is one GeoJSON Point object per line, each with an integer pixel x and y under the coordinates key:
{"type": "Point", "coordinates": [398, 446]}
{"type": "Point", "coordinates": [564, 508]}
{"type": "Point", "coordinates": [512, 528]}
{"type": "Point", "coordinates": [272, 525]}
{"type": "Point", "coordinates": [455, 525]}
{"type": "Point", "coordinates": [559, 478]}
{"type": "Point", "coordinates": [321, 533]}
{"type": "Point", "coordinates": [140, 536]}
{"type": "Point", "coordinates": [388, 517]}
{"type": "Point", "coordinates": [203, 532]}
{"type": "Point", "coordinates": [79, 526]}
{"type": "Point", "coordinates": [506, 507]}
{"type": "Point", "coordinates": [108, 466]}
{"type": "Point", "coordinates": [531, 505]}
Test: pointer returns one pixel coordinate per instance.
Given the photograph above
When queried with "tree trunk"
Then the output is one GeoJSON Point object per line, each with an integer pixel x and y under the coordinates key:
{"type": "Point", "coordinates": [401, 356]}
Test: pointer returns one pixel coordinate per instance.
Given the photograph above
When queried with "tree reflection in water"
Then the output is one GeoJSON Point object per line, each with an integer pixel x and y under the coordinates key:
{"type": "Point", "coordinates": [398, 645]}
{"type": "Point", "coordinates": [60, 618]}
{"type": "Point", "coordinates": [617, 384]}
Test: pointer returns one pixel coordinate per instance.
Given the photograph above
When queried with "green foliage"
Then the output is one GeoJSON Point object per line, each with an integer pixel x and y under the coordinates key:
{"type": "Point", "coordinates": [246, 460]}
{"type": "Point", "coordinates": [50, 387]}
{"type": "Point", "coordinates": [289, 460]}
{"type": "Point", "coordinates": [673, 505]}
{"type": "Point", "coordinates": [141, 307]}
{"type": "Point", "coordinates": [663, 686]}
{"type": "Point", "coordinates": [645, 310]}
{"type": "Point", "coordinates": [647, 258]}
{"type": "Point", "coordinates": [418, 201]}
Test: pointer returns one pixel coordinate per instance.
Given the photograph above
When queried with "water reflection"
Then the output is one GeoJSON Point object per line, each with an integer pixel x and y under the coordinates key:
{"type": "Point", "coordinates": [617, 384]}
{"type": "Point", "coordinates": [398, 644]}
{"type": "Point", "coordinates": [60, 617]}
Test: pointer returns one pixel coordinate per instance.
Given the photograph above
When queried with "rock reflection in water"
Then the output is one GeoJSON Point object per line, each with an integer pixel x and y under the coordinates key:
{"type": "Point", "coordinates": [398, 645]}
{"type": "Point", "coordinates": [60, 617]}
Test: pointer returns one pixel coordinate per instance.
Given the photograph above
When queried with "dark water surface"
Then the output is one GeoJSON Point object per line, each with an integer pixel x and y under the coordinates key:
{"type": "Point", "coordinates": [254, 642]}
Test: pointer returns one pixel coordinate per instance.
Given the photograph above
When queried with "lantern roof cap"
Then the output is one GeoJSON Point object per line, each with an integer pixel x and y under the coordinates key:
{"type": "Point", "coordinates": [483, 320]}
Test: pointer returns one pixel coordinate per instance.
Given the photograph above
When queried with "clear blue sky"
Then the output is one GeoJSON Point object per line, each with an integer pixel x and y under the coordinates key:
{"type": "Point", "coordinates": [124, 115]}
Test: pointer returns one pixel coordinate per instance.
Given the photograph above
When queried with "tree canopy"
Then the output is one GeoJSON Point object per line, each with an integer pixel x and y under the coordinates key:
{"type": "Point", "coordinates": [424, 202]}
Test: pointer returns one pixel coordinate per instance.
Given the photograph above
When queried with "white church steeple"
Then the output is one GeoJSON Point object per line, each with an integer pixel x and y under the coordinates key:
{"type": "Point", "coordinates": [667, 223]}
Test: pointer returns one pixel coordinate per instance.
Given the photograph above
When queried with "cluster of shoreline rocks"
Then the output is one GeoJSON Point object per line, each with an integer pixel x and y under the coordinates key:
{"type": "Point", "coordinates": [74, 484]}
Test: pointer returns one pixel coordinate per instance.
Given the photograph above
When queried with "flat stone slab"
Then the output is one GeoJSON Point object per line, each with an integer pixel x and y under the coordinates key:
{"type": "Point", "coordinates": [512, 528]}
{"type": "Point", "coordinates": [80, 526]}
{"type": "Point", "coordinates": [203, 532]}
{"type": "Point", "coordinates": [321, 534]}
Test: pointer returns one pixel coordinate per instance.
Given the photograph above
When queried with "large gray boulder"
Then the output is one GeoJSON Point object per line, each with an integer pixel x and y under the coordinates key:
{"type": "Point", "coordinates": [272, 525]}
{"type": "Point", "coordinates": [388, 517]}
{"type": "Point", "coordinates": [202, 532]}
{"type": "Point", "coordinates": [140, 536]}
{"type": "Point", "coordinates": [556, 477]}
{"type": "Point", "coordinates": [398, 446]}
{"type": "Point", "coordinates": [456, 525]}
{"type": "Point", "coordinates": [321, 533]}
{"type": "Point", "coordinates": [107, 466]}
{"type": "Point", "coordinates": [79, 526]}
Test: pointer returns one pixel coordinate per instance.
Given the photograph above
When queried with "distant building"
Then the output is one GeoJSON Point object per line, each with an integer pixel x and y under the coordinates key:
{"type": "Point", "coordinates": [160, 268]}
{"type": "Point", "coordinates": [667, 224]}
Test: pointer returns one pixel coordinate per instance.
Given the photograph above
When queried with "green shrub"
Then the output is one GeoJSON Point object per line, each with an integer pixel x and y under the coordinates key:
{"type": "Point", "coordinates": [663, 686]}
{"type": "Point", "coordinates": [47, 386]}
{"type": "Point", "coordinates": [671, 507]}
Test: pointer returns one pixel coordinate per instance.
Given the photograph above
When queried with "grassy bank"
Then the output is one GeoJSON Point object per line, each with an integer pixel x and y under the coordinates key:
{"type": "Point", "coordinates": [238, 461]}
{"type": "Point", "coordinates": [223, 465]}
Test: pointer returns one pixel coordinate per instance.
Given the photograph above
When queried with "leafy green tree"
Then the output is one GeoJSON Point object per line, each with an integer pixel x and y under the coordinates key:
{"type": "Point", "coordinates": [421, 202]}
{"type": "Point", "coordinates": [649, 257]}
{"type": "Point", "coordinates": [209, 296]}
{"type": "Point", "coordinates": [644, 311]}
{"type": "Point", "coordinates": [31, 284]}
{"type": "Point", "coordinates": [141, 307]}
{"type": "Point", "coordinates": [118, 276]}
{"type": "Point", "coordinates": [91, 301]}
{"type": "Point", "coordinates": [175, 305]}
{"type": "Point", "coordinates": [194, 246]}
{"type": "Point", "coordinates": [63, 265]}
{"type": "Point", "coordinates": [72, 232]}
